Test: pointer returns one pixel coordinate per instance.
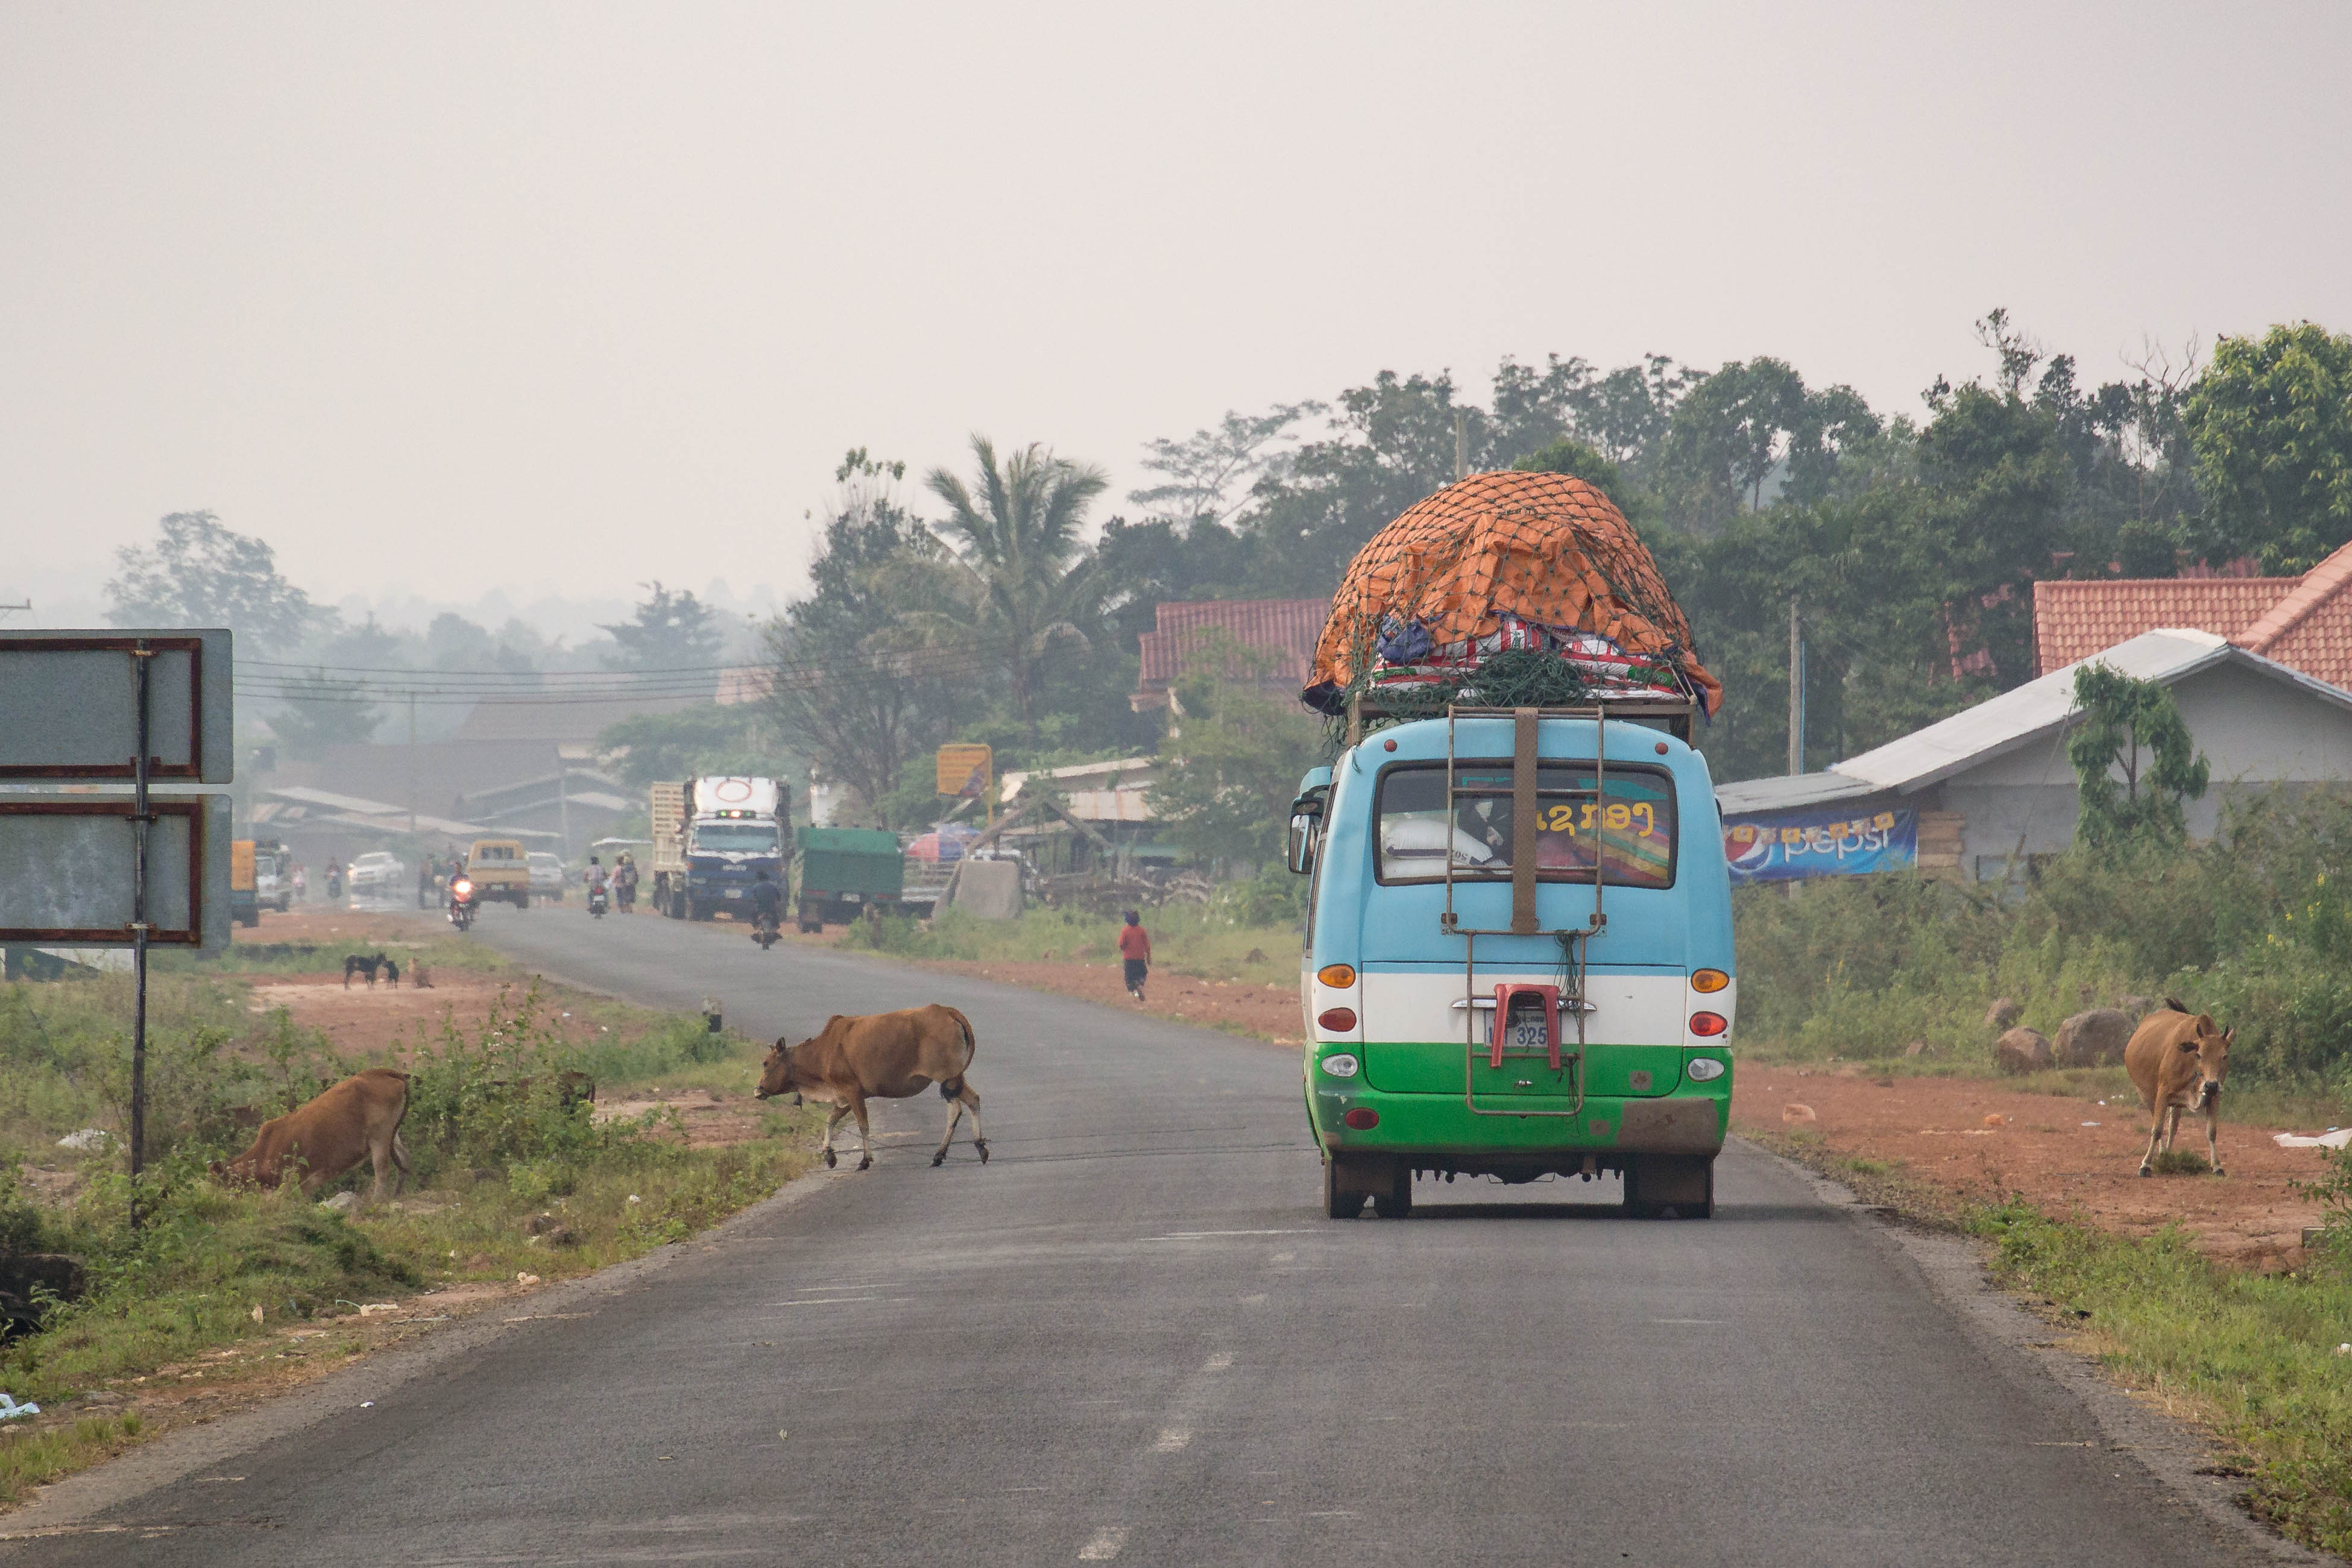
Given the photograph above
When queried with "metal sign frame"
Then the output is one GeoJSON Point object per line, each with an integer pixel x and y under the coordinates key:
{"type": "Point", "coordinates": [196, 810]}
{"type": "Point", "coordinates": [210, 701]}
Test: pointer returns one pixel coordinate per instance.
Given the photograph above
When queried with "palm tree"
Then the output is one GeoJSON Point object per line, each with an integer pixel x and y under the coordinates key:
{"type": "Point", "coordinates": [1024, 580]}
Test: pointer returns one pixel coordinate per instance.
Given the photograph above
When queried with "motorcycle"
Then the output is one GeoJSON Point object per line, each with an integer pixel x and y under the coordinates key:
{"type": "Point", "coordinates": [596, 900]}
{"type": "Point", "coordinates": [334, 886]}
{"type": "Point", "coordinates": [461, 903]}
{"type": "Point", "coordinates": [765, 931]}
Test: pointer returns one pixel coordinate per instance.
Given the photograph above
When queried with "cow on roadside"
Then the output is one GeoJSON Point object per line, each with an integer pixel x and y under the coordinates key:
{"type": "Point", "coordinates": [349, 1121]}
{"type": "Point", "coordinates": [880, 1056]}
{"type": "Point", "coordinates": [360, 964]}
{"type": "Point", "coordinates": [2177, 1060]}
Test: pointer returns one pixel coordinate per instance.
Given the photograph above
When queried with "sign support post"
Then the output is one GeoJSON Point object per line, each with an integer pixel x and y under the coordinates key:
{"type": "Point", "coordinates": [141, 662]}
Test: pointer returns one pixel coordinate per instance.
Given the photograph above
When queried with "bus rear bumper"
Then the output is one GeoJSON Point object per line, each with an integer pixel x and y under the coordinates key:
{"type": "Point", "coordinates": [1440, 1132]}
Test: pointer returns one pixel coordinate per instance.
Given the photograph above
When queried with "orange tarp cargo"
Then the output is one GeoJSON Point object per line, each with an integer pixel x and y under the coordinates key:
{"type": "Point", "coordinates": [1549, 548]}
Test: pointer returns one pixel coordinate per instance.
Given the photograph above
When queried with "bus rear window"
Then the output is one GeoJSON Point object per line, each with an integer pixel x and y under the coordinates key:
{"type": "Point", "coordinates": [1632, 828]}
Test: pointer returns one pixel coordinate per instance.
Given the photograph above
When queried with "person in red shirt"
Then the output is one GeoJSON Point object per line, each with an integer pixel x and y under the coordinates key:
{"type": "Point", "coordinates": [1135, 946]}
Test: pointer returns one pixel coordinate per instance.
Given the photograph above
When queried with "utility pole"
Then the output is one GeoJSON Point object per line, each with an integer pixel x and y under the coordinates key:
{"type": "Point", "coordinates": [412, 771]}
{"type": "Point", "coordinates": [1461, 443]}
{"type": "Point", "coordinates": [1796, 692]}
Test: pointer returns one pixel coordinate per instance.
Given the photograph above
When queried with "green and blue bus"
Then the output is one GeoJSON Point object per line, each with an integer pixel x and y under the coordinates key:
{"type": "Point", "coordinates": [1518, 959]}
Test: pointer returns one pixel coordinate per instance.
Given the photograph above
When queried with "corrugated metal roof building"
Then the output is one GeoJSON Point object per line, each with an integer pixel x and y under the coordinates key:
{"type": "Point", "coordinates": [1993, 782]}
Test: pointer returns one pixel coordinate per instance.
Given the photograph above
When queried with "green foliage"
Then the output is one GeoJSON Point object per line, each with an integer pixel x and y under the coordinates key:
{"type": "Point", "coordinates": [2122, 717]}
{"type": "Point", "coordinates": [1229, 768]}
{"type": "Point", "coordinates": [2271, 424]}
{"type": "Point", "coordinates": [709, 739]}
{"type": "Point", "coordinates": [671, 631]}
{"type": "Point", "coordinates": [201, 573]}
{"type": "Point", "coordinates": [2254, 927]}
{"type": "Point", "coordinates": [320, 712]}
{"type": "Point", "coordinates": [1022, 587]}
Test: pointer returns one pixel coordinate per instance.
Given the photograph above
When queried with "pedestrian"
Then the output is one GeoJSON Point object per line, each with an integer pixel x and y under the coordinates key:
{"type": "Point", "coordinates": [1135, 946]}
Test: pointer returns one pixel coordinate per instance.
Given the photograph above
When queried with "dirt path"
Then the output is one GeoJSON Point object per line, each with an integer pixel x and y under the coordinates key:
{"type": "Point", "coordinates": [1978, 1140]}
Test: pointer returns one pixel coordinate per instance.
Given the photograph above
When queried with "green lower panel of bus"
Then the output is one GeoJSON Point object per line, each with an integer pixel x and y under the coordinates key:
{"type": "Point", "coordinates": [1420, 1067]}
{"type": "Point", "coordinates": [1691, 1121]}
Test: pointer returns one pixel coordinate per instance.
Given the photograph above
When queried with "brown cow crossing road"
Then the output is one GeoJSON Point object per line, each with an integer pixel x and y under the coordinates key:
{"type": "Point", "coordinates": [1131, 1338]}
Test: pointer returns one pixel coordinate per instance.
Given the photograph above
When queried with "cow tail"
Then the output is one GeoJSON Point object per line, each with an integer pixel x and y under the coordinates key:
{"type": "Point", "coordinates": [952, 1086]}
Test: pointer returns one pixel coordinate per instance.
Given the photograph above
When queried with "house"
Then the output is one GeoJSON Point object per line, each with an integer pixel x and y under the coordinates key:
{"type": "Point", "coordinates": [2304, 623]}
{"type": "Point", "coordinates": [1280, 633]}
{"type": "Point", "coordinates": [1971, 794]}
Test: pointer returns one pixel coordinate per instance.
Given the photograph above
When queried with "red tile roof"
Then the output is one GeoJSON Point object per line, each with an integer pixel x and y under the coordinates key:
{"type": "Point", "coordinates": [2304, 623]}
{"type": "Point", "coordinates": [1284, 628]}
{"type": "Point", "coordinates": [2073, 619]}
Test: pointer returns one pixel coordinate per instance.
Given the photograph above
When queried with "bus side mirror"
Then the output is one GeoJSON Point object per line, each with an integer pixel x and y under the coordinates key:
{"type": "Point", "coordinates": [1299, 854]}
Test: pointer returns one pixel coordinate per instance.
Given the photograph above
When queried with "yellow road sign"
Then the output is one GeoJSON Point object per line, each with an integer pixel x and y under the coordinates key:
{"type": "Point", "coordinates": [965, 770]}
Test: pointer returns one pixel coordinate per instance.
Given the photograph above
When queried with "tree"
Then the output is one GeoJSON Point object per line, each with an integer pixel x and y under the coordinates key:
{"type": "Point", "coordinates": [847, 678]}
{"type": "Point", "coordinates": [320, 712]}
{"type": "Point", "coordinates": [2121, 718]}
{"type": "Point", "coordinates": [2271, 421]}
{"type": "Point", "coordinates": [1229, 770]}
{"type": "Point", "coordinates": [671, 632]}
{"type": "Point", "coordinates": [708, 738]}
{"type": "Point", "coordinates": [1207, 470]}
{"type": "Point", "coordinates": [1021, 581]}
{"type": "Point", "coordinates": [201, 573]}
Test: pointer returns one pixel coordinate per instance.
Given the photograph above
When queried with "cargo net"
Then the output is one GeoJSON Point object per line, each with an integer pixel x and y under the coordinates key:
{"type": "Point", "coordinates": [1505, 590]}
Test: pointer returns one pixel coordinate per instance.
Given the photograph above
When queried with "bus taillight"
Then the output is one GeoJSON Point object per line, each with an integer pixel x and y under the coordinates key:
{"type": "Point", "coordinates": [1363, 1118]}
{"type": "Point", "coordinates": [1707, 1025]}
{"type": "Point", "coordinates": [1338, 1020]}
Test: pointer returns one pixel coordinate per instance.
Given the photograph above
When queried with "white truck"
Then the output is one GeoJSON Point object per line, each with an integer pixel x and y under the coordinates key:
{"type": "Point", "coordinates": [712, 837]}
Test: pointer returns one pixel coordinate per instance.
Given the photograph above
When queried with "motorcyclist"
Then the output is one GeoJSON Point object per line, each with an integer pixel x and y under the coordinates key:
{"type": "Point", "coordinates": [594, 879]}
{"type": "Point", "coordinates": [767, 902]}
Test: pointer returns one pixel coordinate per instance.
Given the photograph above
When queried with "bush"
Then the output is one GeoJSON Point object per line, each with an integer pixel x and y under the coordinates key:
{"type": "Point", "coordinates": [2254, 927]}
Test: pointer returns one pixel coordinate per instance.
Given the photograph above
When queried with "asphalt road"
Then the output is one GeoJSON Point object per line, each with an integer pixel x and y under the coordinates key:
{"type": "Point", "coordinates": [1133, 1338]}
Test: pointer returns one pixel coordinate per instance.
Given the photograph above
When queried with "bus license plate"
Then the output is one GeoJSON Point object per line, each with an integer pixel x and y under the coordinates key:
{"type": "Point", "coordinates": [1526, 1033]}
{"type": "Point", "coordinates": [734, 893]}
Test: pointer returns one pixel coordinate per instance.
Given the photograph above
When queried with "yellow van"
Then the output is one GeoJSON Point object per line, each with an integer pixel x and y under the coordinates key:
{"type": "Point", "coordinates": [499, 869]}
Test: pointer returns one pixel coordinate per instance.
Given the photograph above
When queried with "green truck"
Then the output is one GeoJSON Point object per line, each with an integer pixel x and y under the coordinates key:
{"type": "Point", "coordinates": [843, 872]}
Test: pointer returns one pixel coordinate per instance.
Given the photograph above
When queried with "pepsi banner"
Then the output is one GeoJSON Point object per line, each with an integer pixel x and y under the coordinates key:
{"type": "Point", "coordinates": [1790, 845]}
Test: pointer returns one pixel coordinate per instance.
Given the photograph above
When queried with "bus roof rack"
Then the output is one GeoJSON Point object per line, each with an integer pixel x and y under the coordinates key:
{"type": "Point", "coordinates": [1674, 715]}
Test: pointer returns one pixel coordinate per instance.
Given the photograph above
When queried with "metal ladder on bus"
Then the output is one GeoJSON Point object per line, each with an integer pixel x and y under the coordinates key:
{"type": "Point", "coordinates": [1524, 817]}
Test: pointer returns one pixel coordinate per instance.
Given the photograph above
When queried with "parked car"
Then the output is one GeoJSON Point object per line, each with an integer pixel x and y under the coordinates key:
{"type": "Point", "coordinates": [547, 875]}
{"type": "Point", "coordinates": [377, 874]}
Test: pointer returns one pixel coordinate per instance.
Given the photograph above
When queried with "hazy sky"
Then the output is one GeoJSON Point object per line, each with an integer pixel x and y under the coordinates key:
{"type": "Point", "coordinates": [442, 297]}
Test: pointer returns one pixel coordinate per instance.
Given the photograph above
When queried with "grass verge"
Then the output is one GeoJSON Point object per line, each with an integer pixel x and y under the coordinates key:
{"type": "Point", "coordinates": [2252, 1359]}
{"type": "Point", "coordinates": [1205, 942]}
{"type": "Point", "coordinates": [224, 1294]}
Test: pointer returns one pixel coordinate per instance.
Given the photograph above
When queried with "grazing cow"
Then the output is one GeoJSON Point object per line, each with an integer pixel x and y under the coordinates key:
{"type": "Point", "coordinates": [885, 1056]}
{"type": "Point", "coordinates": [354, 1120]}
{"type": "Point", "coordinates": [356, 964]}
{"type": "Point", "coordinates": [2178, 1060]}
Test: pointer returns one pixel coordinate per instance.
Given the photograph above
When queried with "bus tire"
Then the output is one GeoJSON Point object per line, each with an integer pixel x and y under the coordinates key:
{"type": "Point", "coordinates": [1397, 1202]}
{"type": "Point", "coordinates": [1657, 1183]}
{"type": "Point", "coordinates": [1338, 1202]}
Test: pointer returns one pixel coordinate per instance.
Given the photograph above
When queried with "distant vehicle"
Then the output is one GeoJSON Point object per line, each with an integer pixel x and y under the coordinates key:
{"type": "Point", "coordinates": [499, 870]}
{"type": "Point", "coordinates": [547, 875]}
{"type": "Point", "coordinates": [243, 907]}
{"type": "Point", "coordinates": [273, 875]}
{"type": "Point", "coordinates": [377, 874]}
{"type": "Point", "coordinates": [712, 837]}
{"type": "Point", "coordinates": [843, 872]}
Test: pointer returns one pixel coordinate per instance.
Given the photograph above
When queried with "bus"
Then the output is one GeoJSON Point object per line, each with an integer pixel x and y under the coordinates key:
{"type": "Point", "coordinates": [1518, 958]}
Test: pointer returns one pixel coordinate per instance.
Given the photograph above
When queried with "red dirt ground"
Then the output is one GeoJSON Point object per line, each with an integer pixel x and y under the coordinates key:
{"type": "Point", "coordinates": [1981, 1141]}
